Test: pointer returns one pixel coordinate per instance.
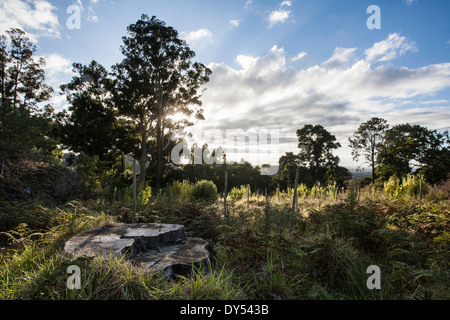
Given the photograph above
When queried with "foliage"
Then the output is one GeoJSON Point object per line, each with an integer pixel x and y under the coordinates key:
{"type": "Point", "coordinates": [316, 146]}
{"type": "Point", "coordinates": [156, 79]}
{"type": "Point", "coordinates": [89, 126]}
{"type": "Point", "coordinates": [205, 190]}
{"type": "Point", "coordinates": [239, 193]}
{"type": "Point", "coordinates": [145, 195]}
{"type": "Point", "coordinates": [262, 251]}
{"type": "Point", "coordinates": [411, 186]}
{"type": "Point", "coordinates": [409, 144]}
{"type": "Point", "coordinates": [367, 140]}
{"type": "Point", "coordinates": [181, 190]}
{"type": "Point", "coordinates": [25, 119]}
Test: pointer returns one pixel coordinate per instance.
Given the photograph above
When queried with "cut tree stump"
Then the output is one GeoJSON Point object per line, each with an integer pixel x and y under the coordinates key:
{"type": "Point", "coordinates": [151, 245]}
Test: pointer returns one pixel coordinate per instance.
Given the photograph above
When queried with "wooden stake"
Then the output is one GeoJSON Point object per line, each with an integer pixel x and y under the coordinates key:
{"type": "Point", "coordinates": [420, 189]}
{"type": "Point", "coordinates": [225, 195]}
{"type": "Point", "coordinates": [133, 218]}
{"type": "Point", "coordinates": [294, 200]}
{"type": "Point", "coordinates": [248, 197]}
{"type": "Point", "coordinates": [265, 193]}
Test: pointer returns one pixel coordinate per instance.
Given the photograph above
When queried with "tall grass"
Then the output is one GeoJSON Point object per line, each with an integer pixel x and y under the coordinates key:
{"type": "Point", "coordinates": [263, 251]}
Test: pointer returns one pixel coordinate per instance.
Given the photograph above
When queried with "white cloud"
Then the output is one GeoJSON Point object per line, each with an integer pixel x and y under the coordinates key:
{"type": "Point", "coordinates": [59, 102]}
{"type": "Point", "coordinates": [91, 15]}
{"type": "Point", "coordinates": [267, 92]}
{"type": "Point", "coordinates": [278, 16]}
{"type": "Point", "coordinates": [194, 37]}
{"type": "Point", "coordinates": [299, 56]}
{"type": "Point", "coordinates": [340, 59]}
{"type": "Point", "coordinates": [234, 23]}
{"type": "Point", "coordinates": [58, 70]}
{"type": "Point", "coordinates": [248, 4]}
{"type": "Point", "coordinates": [286, 3]}
{"type": "Point", "coordinates": [391, 48]}
{"type": "Point", "coordinates": [36, 17]}
{"type": "Point", "coordinates": [56, 64]}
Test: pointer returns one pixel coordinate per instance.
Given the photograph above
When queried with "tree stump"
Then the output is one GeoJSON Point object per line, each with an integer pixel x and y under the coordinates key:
{"type": "Point", "coordinates": [150, 245]}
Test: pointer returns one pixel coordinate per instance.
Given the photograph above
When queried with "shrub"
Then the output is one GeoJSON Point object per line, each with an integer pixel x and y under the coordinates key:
{"type": "Point", "coordinates": [181, 189]}
{"type": "Point", "coordinates": [410, 186]}
{"type": "Point", "coordinates": [239, 193]}
{"type": "Point", "coordinates": [391, 186]}
{"type": "Point", "coordinates": [144, 195]}
{"type": "Point", "coordinates": [205, 190]}
{"type": "Point", "coordinates": [332, 190]}
{"type": "Point", "coordinates": [302, 190]}
{"type": "Point", "coordinates": [317, 191]}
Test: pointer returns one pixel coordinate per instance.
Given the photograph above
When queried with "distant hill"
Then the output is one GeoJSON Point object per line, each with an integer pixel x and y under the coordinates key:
{"type": "Point", "coordinates": [359, 174]}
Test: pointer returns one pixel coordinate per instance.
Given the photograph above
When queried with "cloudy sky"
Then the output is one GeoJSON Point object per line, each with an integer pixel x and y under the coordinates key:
{"type": "Point", "coordinates": [277, 65]}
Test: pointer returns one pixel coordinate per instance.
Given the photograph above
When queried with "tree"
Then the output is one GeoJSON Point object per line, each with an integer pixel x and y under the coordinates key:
{"type": "Point", "coordinates": [409, 147]}
{"type": "Point", "coordinates": [367, 141]}
{"type": "Point", "coordinates": [25, 123]}
{"type": "Point", "coordinates": [90, 126]}
{"type": "Point", "coordinates": [155, 80]}
{"type": "Point", "coordinates": [316, 150]}
{"type": "Point", "coordinates": [435, 159]}
{"type": "Point", "coordinates": [288, 164]}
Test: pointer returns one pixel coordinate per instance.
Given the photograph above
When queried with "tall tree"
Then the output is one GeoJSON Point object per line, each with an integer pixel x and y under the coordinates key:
{"type": "Point", "coordinates": [91, 125]}
{"type": "Point", "coordinates": [367, 141]}
{"type": "Point", "coordinates": [316, 149]}
{"type": "Point", "coordinates": [25, 122]}
{"type": "Point", "coordinates": [156, 79]}
{"type": "Point", "coordinates": [409, 147]}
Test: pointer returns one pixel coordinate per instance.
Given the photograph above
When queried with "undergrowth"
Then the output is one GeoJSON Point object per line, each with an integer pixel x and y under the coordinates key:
{"type": "Point", "coordinates": [262, 249]}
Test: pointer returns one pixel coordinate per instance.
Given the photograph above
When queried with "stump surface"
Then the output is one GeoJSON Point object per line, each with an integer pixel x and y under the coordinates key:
{"type": "Point", "coordinates": [151, 245]}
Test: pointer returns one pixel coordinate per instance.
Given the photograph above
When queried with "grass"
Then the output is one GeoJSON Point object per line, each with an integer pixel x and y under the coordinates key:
{"type": "Point", "coordinates": [262, 250]}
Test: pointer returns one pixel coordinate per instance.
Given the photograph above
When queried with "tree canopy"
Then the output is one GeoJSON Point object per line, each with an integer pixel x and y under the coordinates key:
{"type": "Point", "coordinates": [316, 146]}
{"type": "Point", "coordinates": [157, 79]}
{"type": "Point", "coordinates": [89, 126]}
{"type": "Point", "coordinates": [409, 147]}
{"type": "Point", "coordinates": [25, 121]}
{"type": "Point", "coordinates": [367, 140]}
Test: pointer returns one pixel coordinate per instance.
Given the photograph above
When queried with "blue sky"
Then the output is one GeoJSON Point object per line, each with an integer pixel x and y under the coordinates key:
{"type": "Point", "coordinates": [276, 64]}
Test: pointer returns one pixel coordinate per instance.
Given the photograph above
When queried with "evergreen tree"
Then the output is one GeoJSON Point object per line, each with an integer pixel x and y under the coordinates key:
{"type": "Point", "coordinates": [25, 121]}
{"type": "Point", "coordinates": [155, 80]}
{"type": "Point", "coordinates": [367, 141]}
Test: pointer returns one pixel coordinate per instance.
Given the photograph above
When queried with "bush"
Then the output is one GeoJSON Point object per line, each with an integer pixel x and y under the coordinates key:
{"type": "Point", "coordinates": [391, 186]}
{"type": "Point", "coordinates": [181, 190]}
{"type": "Point", "coordinates": [302, 190]}
{"type": "Point", "coordinates": [144, 195]}
{"type": "Point", "coordinates": [238, 193]}
{"type": "Point", "coordinates": [410, 186]}
{"type": "Point", "coordinates": [205, 190]}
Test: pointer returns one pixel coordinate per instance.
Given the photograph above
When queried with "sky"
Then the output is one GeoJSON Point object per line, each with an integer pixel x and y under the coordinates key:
{"type": "Point", "coordinates": [276, 65]}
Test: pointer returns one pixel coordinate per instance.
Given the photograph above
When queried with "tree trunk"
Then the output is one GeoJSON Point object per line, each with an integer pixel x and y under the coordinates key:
{"type": "Point", "coordinates": [373, 170]}
{"type": "Point", "coordinates": [2, 165]}
{"type": "Point", "coordinates": [159, 136]}
{"type": "Point", "coordinates": [122, 164]}
{"type": "Point", "coordinates": [159, 153]}
{"type": "Point", "coordinates": [373, 162]}
{"type": "Point", "coordinates": [143, 159]}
